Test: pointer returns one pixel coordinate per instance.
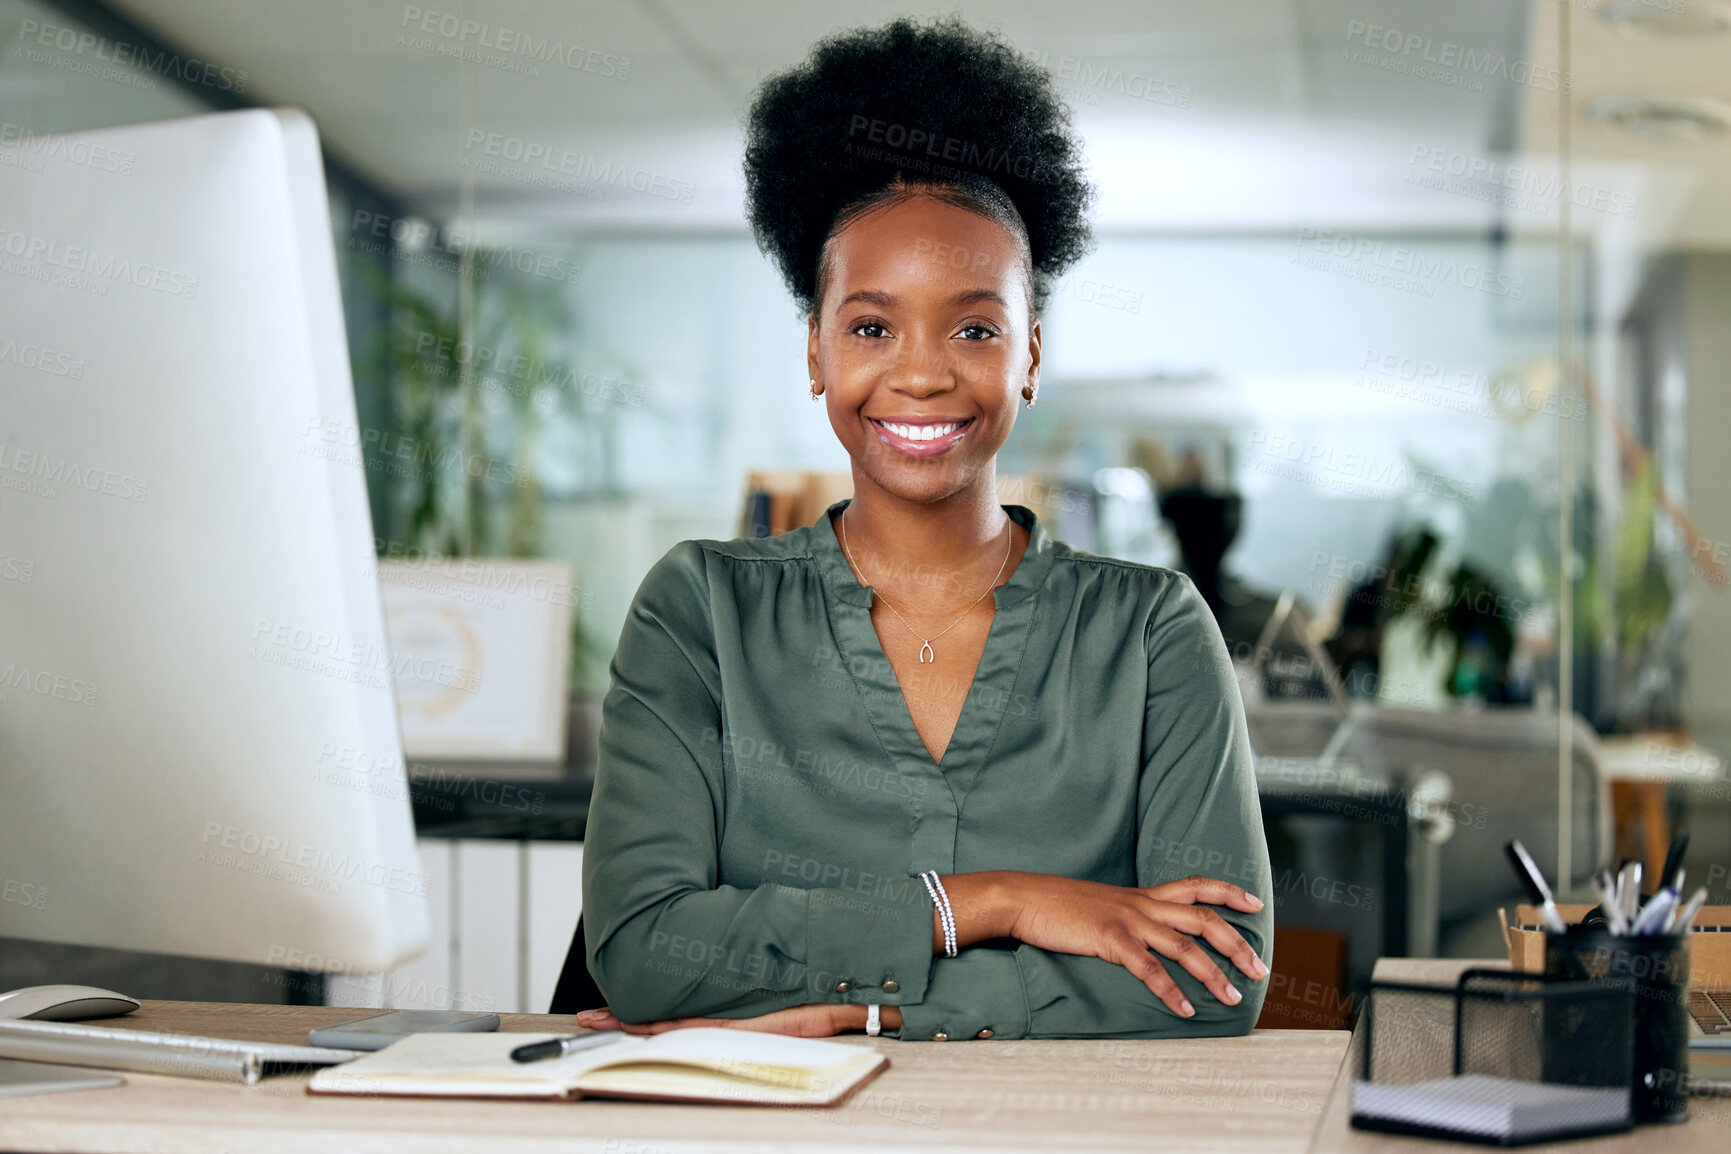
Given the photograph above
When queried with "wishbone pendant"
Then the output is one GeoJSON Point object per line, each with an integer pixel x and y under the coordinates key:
{"type": "Point", "coordinates": [926, 653]}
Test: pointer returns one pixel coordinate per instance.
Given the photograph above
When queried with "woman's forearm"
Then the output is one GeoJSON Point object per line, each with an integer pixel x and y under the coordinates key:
{"type": "Point", "coordinates": [1125, 925]}
{"type": "Point", "coordinates": [985, 905]}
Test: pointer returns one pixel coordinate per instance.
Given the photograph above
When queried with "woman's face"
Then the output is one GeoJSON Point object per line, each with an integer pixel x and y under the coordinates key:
{"type": "Point", "coordinates": [923, 343]}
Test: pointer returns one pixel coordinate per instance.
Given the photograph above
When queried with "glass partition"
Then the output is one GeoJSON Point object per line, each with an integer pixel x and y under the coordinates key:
{"type": "Point", "coordinates": [1645, 153]}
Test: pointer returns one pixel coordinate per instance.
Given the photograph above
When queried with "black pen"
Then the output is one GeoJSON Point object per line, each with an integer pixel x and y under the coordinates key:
{"type": "Point", "coordinates": [1673, 863]}
{"type": "Point", "coordinates": [559, 1047]}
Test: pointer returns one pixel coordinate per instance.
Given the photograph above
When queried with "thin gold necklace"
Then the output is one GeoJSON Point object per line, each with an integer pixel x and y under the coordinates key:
{"type": "Point", "coordinates": [927, 653]}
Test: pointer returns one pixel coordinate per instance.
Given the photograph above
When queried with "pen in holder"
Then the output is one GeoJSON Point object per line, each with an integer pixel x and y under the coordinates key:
{"type": "Point", "coordinates": [1657, 965]}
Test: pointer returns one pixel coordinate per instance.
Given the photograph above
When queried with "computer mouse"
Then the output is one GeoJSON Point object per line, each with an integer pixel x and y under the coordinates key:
{"type": "Point", "coordinates": [64, 1003]}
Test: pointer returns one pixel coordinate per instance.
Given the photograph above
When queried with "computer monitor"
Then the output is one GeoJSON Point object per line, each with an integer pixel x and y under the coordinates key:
{"type": "Point", "coordinates": [199, 751]}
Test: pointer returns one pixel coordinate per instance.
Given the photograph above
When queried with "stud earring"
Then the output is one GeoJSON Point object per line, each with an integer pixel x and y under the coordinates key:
{"type": "Point", "coordinates": [816, 392]}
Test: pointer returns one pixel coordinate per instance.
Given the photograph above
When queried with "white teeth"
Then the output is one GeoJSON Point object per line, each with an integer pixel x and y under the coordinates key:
{"type": "Point", "coordinates": [923, 432]}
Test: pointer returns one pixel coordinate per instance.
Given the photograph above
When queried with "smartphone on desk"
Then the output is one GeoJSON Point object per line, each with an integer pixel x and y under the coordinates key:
{"type": "Point", "coordinates": [380, 1030]}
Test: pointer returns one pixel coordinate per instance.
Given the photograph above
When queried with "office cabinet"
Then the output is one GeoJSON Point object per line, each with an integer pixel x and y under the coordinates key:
{"type": "Point", "coordinates": [501, 916]}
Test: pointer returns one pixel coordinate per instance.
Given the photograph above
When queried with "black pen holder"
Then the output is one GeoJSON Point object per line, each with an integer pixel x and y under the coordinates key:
{"type": "Point", "coordinates": [1657, 967]}
{"type": "Point", "coordinates": [1502, 1058]}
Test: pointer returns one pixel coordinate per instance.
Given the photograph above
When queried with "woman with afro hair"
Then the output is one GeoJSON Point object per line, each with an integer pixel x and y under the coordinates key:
{"type": "Point", "coordinates": [918, 767]}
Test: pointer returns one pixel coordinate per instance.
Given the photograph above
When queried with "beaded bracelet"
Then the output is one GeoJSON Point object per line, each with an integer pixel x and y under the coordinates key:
{"type": "Point", "coordinates": [946, 916]}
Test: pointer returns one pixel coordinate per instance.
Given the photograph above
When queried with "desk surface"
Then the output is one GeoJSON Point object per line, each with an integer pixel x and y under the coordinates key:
{"type": "Point", "coordinates": [1276, 1090]}
{"type": "Point", "coordinates": [1265, 1092]}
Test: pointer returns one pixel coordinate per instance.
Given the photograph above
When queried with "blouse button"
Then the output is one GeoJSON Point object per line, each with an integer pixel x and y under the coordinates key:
{"type": "Point", "coordinates": [843, 987]}
{"type": "Point", "coordinates": [940, 1036]}
{"type": "Point", "coordinates": [892, 986]}
{"type": "Point", "coordinates": [985, 1033]}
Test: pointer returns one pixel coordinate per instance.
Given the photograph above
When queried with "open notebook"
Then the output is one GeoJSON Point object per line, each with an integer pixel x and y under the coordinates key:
{"type": "Point", "coordinates": [695, 1065]}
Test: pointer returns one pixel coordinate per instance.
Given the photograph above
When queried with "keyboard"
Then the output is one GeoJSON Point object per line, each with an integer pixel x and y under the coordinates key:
{"type": "Point", "coordinates": [154, 1052]}
{"type": "Point", "coordinates": [1711, 1010]}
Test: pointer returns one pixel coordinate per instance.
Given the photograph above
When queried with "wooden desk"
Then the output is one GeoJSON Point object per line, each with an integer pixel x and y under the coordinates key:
{"type": "Point", "coordinates": [1265, 1092]}
{"type": "Point", "coordinates": [1708, 1128]}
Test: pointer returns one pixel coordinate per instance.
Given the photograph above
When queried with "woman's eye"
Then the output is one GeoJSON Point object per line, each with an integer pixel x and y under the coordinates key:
{"type": "Point", "coordinates": [980, 332]}
{"type": "Point", "coordinates": [869, 329]}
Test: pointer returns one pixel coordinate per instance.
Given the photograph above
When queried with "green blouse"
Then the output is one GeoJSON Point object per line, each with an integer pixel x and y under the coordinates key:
{"type": "Point", "coordinates": [763, 803]}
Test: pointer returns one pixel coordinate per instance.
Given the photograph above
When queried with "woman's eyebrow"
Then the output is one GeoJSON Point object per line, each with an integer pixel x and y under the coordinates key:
{"type": "Point", "coordinates": [974, 296]}
{"type": "Point", "coordinates": [867, 296]}
{"type": "Point", "coordinates": [888, 300]}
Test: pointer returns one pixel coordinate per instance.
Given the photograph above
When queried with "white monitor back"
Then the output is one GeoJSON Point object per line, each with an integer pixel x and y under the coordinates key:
{"type": "Point", "coordinates": [199, 751]}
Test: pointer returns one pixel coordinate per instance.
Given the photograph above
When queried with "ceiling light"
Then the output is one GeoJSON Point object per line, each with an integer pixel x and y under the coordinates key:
{"type": "Point", "coordinates": [1662, 117]}
{"type": "Point", "coordinates": [1667, 17]}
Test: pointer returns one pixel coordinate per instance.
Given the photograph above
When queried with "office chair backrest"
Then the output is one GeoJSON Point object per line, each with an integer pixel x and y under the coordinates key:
{"type": "Point", "coordinates": [576, 990]}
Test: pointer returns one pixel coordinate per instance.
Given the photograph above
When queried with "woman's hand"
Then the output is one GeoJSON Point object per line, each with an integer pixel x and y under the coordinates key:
{"type": "Point", "coordinates": [1120, 924]}
{"type": "Point", "coordinates": [818, 1020]}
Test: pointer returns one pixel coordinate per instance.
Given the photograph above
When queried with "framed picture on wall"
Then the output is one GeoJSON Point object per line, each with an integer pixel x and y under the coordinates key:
{"type": "Point", "coordinates": [480, 653]}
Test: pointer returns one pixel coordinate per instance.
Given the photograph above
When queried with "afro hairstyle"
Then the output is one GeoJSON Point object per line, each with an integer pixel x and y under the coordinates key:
{"type": "Point", "coordinates": [876, 114]}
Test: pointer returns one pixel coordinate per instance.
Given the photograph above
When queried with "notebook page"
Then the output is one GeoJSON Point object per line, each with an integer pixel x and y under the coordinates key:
{"type": "Point", "coordinates": [465, 1064]}
{"type": "Point", "coordinates": [741, 1065]}
{"type": "Point", "coordinates": [665, 1080]}
{"type": "Point", "coordinates": [738, 1051]}
{"type": "Point", "coordinates": [725, 1064]}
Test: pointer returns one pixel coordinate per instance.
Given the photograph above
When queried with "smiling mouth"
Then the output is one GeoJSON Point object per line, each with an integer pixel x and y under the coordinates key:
{"type": "Point", "coordinates": [920, 439]}
{"type": "Point", "coordinates": [932, 431]}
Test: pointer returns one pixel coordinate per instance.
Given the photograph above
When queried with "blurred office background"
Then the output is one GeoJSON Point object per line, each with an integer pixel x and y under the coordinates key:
{"type": "Point", "coordinates": [1405, 333]}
